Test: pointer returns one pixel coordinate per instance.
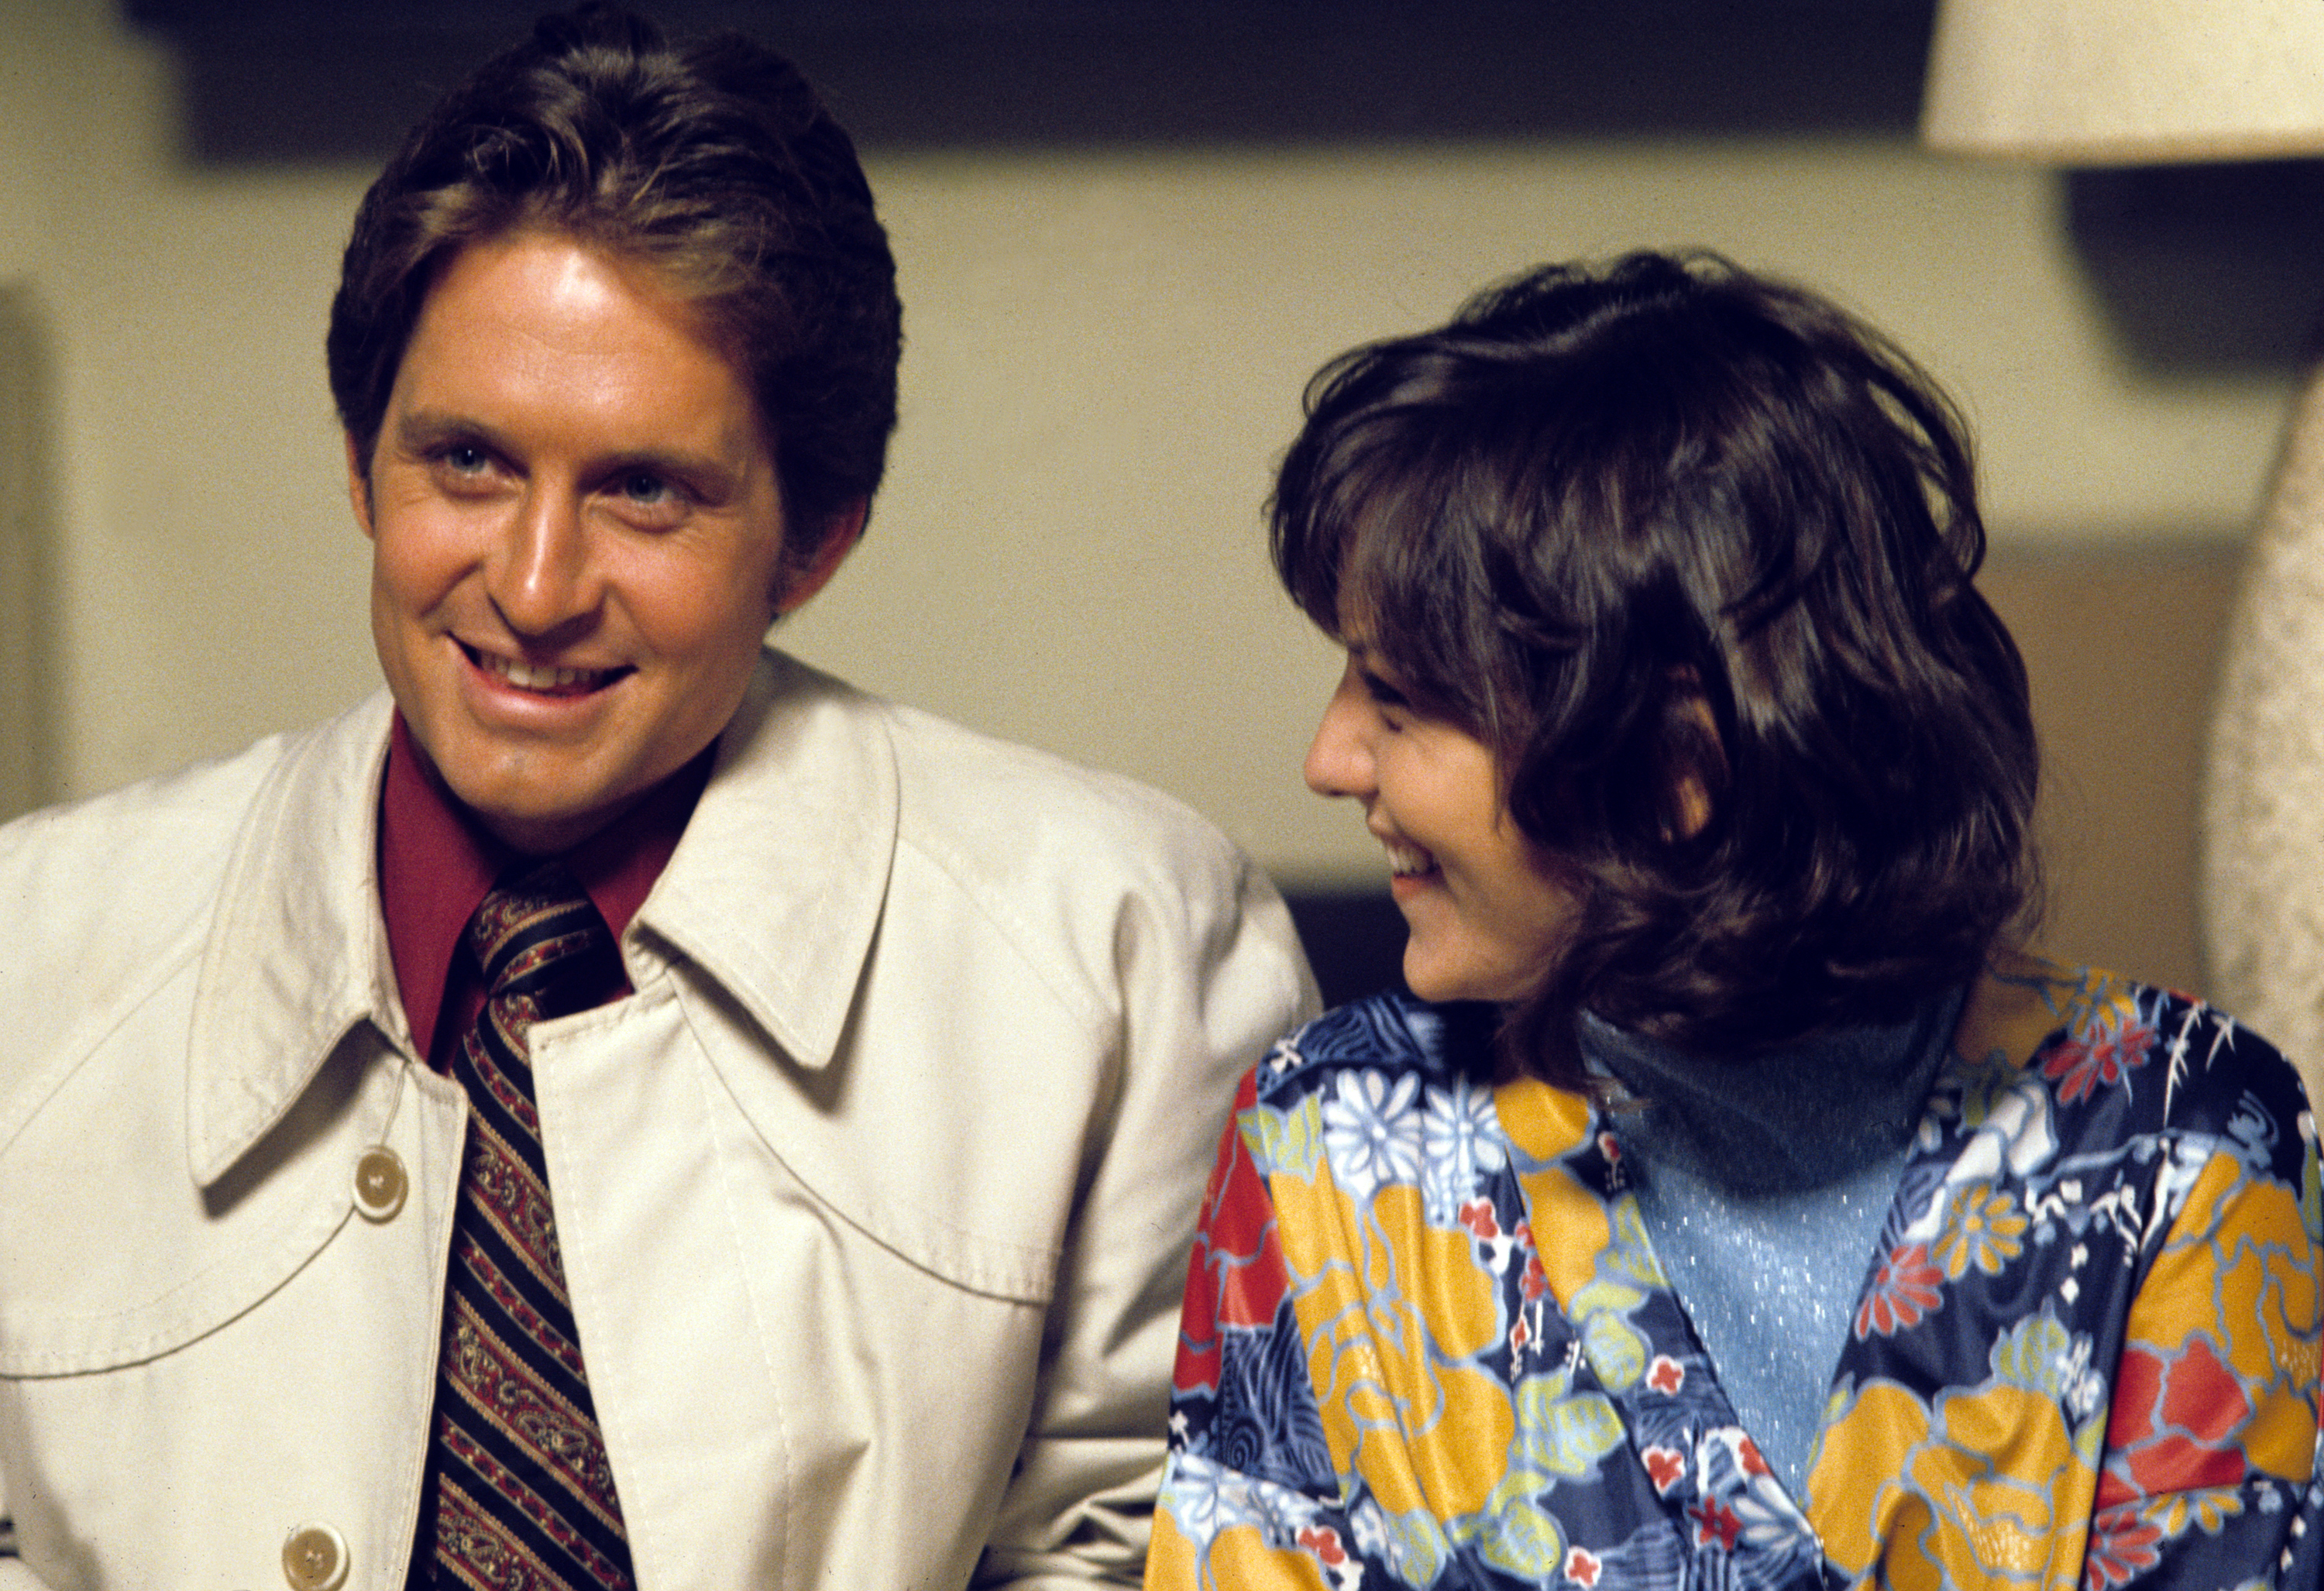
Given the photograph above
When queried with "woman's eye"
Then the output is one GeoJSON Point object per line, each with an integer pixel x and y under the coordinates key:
{"type": "Point", "coordinates": [1384, 696]}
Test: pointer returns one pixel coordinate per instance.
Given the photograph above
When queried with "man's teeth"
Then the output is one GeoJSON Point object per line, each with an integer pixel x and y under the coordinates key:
{"type": "Point", "coordinates": [527, 676]}
{"type": "Point", "coordinates": [1408, 859]}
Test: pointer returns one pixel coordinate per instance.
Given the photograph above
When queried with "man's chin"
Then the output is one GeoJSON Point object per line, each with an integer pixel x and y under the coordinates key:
{"type": "Point", "coordinates": [548, 833]}
{"type": "Point", "coordinates": [512, 809]}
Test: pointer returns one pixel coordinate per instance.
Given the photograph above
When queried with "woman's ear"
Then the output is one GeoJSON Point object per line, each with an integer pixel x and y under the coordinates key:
{"type": "Point", "coordinates": [1690, 806]}
{"type": "Point", "coordinates": [1698, 759]}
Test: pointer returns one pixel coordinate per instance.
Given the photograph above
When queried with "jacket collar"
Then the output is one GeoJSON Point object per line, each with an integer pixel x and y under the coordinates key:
{"type": "Point", "coordinates": [774, 894]}
{"type": "Point", "coordinates": [776, 889]}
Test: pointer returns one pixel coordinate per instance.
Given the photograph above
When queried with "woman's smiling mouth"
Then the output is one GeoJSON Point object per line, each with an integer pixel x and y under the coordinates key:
{"type": "Point", "coordinates": [1405, 861]}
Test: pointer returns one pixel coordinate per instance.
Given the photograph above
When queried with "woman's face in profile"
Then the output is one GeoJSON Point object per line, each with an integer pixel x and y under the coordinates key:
{"type": "Point", "coordinates": [1485, 910]}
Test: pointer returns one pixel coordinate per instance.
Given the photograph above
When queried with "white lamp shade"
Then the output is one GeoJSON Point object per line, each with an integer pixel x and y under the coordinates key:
{"type": "Point", "coordinates": [2095, 82]}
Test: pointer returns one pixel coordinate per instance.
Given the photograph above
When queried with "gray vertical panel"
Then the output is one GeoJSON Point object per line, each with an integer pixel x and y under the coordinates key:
{"type": "Point", "coordinates": [28, 728]}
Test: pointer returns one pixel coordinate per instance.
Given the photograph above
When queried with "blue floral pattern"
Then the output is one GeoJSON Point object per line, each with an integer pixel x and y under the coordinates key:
{"type": "Point", "coordinates": [1427, 1342]}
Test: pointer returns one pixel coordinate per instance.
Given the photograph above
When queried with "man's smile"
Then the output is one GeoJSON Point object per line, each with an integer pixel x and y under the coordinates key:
{"type": "Point", "coordinates": [539, 678]}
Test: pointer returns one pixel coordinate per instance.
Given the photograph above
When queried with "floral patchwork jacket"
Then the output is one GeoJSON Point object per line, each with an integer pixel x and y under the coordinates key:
{"type": "Point", "coordinates": [1426, 1342]}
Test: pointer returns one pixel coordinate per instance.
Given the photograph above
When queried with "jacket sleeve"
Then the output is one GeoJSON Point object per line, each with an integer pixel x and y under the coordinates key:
{"type": "Point", "coordinates": [1205, 987]}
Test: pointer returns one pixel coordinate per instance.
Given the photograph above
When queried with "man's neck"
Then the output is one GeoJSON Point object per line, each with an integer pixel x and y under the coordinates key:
{"type": "Point", "coordinates": [436, 861]}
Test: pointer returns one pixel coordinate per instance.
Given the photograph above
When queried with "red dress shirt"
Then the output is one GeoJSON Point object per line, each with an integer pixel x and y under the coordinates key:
{"type": "Point", "coordinates": [436, 863]}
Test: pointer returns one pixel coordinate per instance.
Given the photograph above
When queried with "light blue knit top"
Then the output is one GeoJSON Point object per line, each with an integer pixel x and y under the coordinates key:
{"type": "Point", "coordinates": [1763, 1185]}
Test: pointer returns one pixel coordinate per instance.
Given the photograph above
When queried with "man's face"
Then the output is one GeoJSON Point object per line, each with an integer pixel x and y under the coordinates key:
{"type": "Point", "coordinates": [577, 532]}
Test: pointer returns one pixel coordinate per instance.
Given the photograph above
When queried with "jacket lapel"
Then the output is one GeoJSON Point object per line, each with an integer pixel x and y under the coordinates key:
{"type": "Point", "coordinates": [297, 955]}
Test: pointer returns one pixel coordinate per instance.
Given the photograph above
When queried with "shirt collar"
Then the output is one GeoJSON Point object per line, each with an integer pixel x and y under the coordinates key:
{"type": "Point", "coordinates": [436, 863]}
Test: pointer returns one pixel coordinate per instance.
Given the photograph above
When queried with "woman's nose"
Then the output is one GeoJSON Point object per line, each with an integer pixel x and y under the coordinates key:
{"type": "Point", "coordinates": [1339, 761]}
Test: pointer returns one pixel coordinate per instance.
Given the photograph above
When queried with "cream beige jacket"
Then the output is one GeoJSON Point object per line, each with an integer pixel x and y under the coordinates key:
{"type": "Point", "coordinates": [874, 1197]}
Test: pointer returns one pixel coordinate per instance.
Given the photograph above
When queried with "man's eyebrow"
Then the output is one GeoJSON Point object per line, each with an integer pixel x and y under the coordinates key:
{"type": "Point", "coordinates": [420, 428]}
{"type": "Point", "coordinates": [671, 461]}
{"type": "Point", "coordinates": [712, 478]}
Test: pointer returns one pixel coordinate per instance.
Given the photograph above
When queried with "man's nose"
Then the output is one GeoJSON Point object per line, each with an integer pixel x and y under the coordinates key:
{"type": "Point", "coordinates": [541, 574]}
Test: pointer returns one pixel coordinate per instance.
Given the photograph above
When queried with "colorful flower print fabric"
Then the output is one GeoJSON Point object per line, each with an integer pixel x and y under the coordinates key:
{"type": "Point", "coordinates": [1427, 1344]}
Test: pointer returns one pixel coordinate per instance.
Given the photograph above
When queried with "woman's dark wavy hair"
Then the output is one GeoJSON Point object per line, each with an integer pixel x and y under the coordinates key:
{"type": "Point", "coordinates": [714, 164]}
{"type": "Point", "coordinates": [1665, 521]}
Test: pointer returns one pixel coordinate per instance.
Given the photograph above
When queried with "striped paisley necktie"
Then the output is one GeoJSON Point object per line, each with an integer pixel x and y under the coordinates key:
{"type": "Point", "coordinates": [523, 1495]}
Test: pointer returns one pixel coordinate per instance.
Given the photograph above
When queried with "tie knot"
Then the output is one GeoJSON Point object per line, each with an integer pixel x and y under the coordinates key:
{"type": "Point", "coordinates": [538, 934]}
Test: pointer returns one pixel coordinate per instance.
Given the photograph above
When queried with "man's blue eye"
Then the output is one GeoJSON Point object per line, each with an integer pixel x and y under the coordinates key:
{"type": "Point", "coordinates": [466, 460]}
{"type": "Point", "coordinates": [645, 488]}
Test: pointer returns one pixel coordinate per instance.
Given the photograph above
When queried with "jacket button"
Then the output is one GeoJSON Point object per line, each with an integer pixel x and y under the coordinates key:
{"type": "Point", "coordinates": [315, 1557]}
{"type": "Point", "coordinates": [380, 1184]}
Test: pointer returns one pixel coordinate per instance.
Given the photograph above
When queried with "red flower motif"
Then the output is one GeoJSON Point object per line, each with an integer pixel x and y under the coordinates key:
{"type": "Point", "coordinates": [1905, 1288]}
{"type": "Point", "coordinates": [1715, 1521]}
{"type": "Point", "coordinates": [2101, 1055]}
{"type": "Point", "coordinates": [2174, 1423]}
{"type": "Point", "coordinates": [1477, 1215]}
{"type": "Point", "coordinates": [1520, 1333]}
{"type": "Point", "coordinates": [1536, 1280]}
{"type": "Point", "coordinates": [1610, 1147]}
{"type": "Point", "coordinates": [1667, 1375]}
{"type": "Point", "coordinates": [1582, 1566]}
{"type": "Point", "coordinates": [1748, 1452]}
{"type": "Point", "coordinates": [1236, 1275]}
{"type": "Point", "coordinates": [2121, 1545]}
{"type": "Point", "coordinates": [1664, 1466]}
{"type": "Point", "coordinates": [1324, 1543]}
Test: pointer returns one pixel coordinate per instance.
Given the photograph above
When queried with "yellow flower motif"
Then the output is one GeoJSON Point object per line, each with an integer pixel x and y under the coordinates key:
{"type": "Point", "coordinates": [1983, 1227]}
{"type": "Point", "coordinates": [2239, 1269]}
{"type": "Point", "coordinates": [1389, 1337]}
{"type": "Point", "coordinates": [2209, 1508]}
{"type": "Point", "coordinates": [2099, 1003]}
{"type": "Point", "coordinates": [1987, 1489]}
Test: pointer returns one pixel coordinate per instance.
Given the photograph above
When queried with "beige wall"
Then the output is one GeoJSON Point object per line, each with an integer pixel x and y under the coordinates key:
{"type": "Point", "coordinates": [1105, 355]}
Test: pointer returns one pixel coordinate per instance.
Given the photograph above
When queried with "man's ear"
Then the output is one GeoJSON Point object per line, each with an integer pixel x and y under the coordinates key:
{"type": "Point", "coordinates": [839, 538]}
{"type": "Point", "coordinates": [358, 487]}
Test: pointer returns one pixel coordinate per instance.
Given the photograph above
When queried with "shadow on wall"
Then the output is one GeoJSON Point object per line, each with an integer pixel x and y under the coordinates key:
{"type": "Point", "coordinates": [1353, 933]}
{"type": "Point", "coordinates": [2206, 270]}
{"type": "Point", "coordinates": [2203, 269]}
{"type": "Point", "coordinates": [307, 79]}
{"type": "Point", "coordinates": [2122, 644]}
{"type": "Point", "coordinates": [28, 520]}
